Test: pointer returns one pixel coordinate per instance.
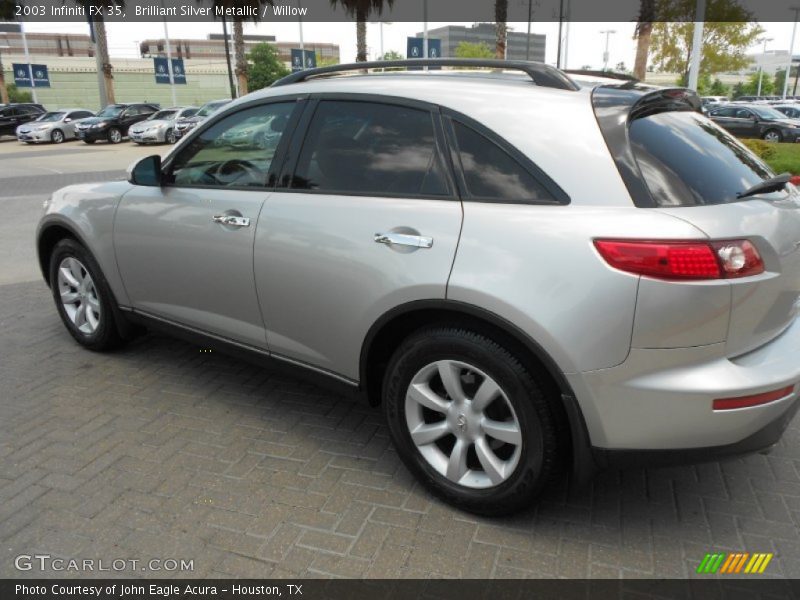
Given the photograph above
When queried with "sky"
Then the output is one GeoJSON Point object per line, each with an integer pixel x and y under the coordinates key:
{"type": "Point", "coordinates": [586, 42]}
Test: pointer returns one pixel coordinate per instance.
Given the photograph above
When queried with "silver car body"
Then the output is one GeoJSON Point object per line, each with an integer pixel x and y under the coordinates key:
{"type": "Point", "coordinates": [306, 283]}
{"type": "Point", "coordinates": [42, 131]}
{"type": "Point", "coordinates": [155, 131]}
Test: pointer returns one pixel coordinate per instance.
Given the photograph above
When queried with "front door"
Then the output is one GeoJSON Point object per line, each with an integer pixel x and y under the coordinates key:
{"type": "Point", "coordinates": [369, 221]}
{"type": "Point", "coordinates": [185, 250]}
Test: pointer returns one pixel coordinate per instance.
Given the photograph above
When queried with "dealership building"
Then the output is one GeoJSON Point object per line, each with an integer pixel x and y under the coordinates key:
{"type": "Point", "coordinates": [73, 71]}
{"type": "Point", "coordinates": [516, 47]}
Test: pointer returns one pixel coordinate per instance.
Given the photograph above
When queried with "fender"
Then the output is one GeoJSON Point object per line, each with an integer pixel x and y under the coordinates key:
{"type": "Point", "coordinates": [583, 463]}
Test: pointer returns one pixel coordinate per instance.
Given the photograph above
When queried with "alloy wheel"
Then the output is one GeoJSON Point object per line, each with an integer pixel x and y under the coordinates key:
{"type": "Point", "coordinates": [78, 295]}
{"type": "Point", "coordinates": [463, 424]}
{"type": "Point", "coordinates": [115, 136]}
{"type": "Point", "coordinates": [58, 137]}
{"type": "Point", "coordinates": [772, 136]}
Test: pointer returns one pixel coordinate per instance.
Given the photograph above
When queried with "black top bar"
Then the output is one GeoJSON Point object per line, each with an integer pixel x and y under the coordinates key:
{"type": "Point", "coordinates": [541, 74]}
{"type": "Point", "coordinates": [599, 73]}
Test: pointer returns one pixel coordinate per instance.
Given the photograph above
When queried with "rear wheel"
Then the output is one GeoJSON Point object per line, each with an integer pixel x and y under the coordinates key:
{"type": "Point", "coordinates": [114, 135]}
{"type": "Point", "coordinates": [470, 421]}
{"type": "Point", "coordinates": [82, 296]}
{"type": "Point", "coordinates": [57, 136]}
{"type": "Point", "coordinates": [772, 135]}
{"type": "Point", "coordinates": [169, 137]}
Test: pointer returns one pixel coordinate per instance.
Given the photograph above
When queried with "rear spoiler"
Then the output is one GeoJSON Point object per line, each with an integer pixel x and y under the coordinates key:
{"type": "Point", "coordinates": [616, 106]}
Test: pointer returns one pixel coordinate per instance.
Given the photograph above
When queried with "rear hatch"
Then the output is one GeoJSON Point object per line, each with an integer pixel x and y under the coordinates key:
{"type": "Point", "coordinates": [676, 161]}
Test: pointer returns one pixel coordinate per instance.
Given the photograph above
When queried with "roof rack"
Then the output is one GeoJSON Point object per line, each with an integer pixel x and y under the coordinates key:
{"type": "Point", "coordinates": [541, 74]}
{"type": "Point", "coordinates": [600, 73]}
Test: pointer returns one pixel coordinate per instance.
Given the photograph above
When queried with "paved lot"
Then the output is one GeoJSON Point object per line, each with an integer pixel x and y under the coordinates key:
{"type": "Point", "coordinates": [163, 451]}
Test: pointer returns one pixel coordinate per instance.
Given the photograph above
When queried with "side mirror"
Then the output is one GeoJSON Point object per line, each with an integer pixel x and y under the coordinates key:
{"type": "Point", "coordinates": [146, 171]}
{"type": "Point", "coordinates": [68, 120]}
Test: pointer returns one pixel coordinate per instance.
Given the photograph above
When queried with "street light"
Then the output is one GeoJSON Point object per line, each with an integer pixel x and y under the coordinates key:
{"type": "Point", "coordinates": [760, 68]}
{"type": "Point", "coordinates": [796, 10]}
{"type": "Point", "coordinates": [607, 33]}
{"type": "Point", "coordinates": [381, 24]}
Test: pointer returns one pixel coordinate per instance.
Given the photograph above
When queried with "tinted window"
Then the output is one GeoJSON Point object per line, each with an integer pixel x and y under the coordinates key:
{"type": "Point", "coordinates": [236, 151]}
{"type": "Point", "coordinates": [80, 114]}
{"type": "Point", "coordinates": [687, 160]}
{"type": "Point", "coordinates": [491, 173]}
{"type": "Point", "coordinates": [368, 148]}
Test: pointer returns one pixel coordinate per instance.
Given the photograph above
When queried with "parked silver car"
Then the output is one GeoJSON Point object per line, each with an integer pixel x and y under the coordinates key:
{"type": "Point", "coordinates": [160, 127]}
{"type": "Point", "coordinates": [531, 278]}
{"type": "Point", "coordinates": [54, 126]}
{"type": "Point", "coordinates": [184, 125]}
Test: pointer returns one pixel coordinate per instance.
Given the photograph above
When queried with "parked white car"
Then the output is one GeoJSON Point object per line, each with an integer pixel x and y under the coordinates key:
{"type": "Point", "coordinates": [54, 126]}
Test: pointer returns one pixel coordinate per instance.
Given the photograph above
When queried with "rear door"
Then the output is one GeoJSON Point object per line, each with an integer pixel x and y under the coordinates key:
{"type": "Point", "coordinates": [694, 171]}
{"type": "Point", "coordinates": [367, 220]}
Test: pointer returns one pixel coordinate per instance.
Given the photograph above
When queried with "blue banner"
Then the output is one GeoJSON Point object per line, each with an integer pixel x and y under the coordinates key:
{"type": "Point", "coordinates": [22, 75]}
{"type": "Point", "coordinates": [161, 69]}
{"type": "Point", "coordinates": [416, 46]}
{"type": "Point", "coordinates": [298, 62]}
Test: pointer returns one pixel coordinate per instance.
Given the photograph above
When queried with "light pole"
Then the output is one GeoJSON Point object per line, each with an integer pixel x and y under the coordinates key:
{"type": "Point", "coordinates": [607, 33]}
{"type": "Point", "coordinates": [796, 10]}
{"type": "Point", "coordinates": [30, 68]}
{"type": "Point", "coordinates": [760, 68]}
{"type": "Point", "coordinates": [697, 44]}
{"type": "Point", "coordinates": [168, 48]}
{"type": "Point", "coordinates": [3, 90]}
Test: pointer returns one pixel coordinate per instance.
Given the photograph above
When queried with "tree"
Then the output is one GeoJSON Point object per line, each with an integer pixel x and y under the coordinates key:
{"type": "Point", "coordinates": [235, 8]}
{"type": "Point", "coordinates": [17, 95]}
{"type": "Point", "coordinates": [501, 27]}
{"type": "Point", "coordinates": [470, 50]}
{"type": "Point", "coordinates": [642, 35]}
{"type": "Point", "coordinates": [6, 14]}
{"type": "Point", "coordinates": [392, 55]}
{"type": "Point", "coordinates": [267, 66]}
{"type": "Point", "coordinates": [621, 68]}
{"type": "Point", "coordinates": [718, 88]}
{"type": "Point", "coordinates": [780, 77]}
{"type": "Point", "coordinates": [3, 91]}
{"type": "Point", "coordinates": [361, 10]}
{"type": "Point", "coordinates": [101, 41]}
{"type": "Point", "coordinates": [725, 40]}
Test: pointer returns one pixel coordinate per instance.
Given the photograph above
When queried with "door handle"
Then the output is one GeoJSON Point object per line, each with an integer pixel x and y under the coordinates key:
{"type": "Point", "coordinates": [403, 239]}
{"type": "Point", "coordinates": [231, 220]}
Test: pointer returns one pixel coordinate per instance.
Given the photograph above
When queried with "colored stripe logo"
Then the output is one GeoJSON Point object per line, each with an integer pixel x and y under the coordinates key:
{"type": "Point", "coordinates": [734, 563]}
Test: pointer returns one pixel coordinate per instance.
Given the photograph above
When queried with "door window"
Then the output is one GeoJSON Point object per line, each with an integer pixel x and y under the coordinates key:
{"type": "Point", "coordinates": [237, 151]}
{"type": "Point", "coordinates": [360, 148]}
{"type": "Point", "coordinates": [491, 173]}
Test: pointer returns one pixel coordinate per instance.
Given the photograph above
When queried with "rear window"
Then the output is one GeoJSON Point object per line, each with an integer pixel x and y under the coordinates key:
{"type": "Point", "coordinates": [686, 160]}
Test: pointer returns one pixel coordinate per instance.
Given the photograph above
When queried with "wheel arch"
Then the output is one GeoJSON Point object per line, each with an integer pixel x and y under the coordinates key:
{"type": "Point", "coordinates": [49, 235]}
{"type": "Point", "coordinates": [392, 327]}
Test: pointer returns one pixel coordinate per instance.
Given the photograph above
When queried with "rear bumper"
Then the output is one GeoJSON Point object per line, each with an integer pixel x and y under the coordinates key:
{"type": "Point", "coordinates": [661, 399]}
{"type": "Point", "coordinates": [763, 439]}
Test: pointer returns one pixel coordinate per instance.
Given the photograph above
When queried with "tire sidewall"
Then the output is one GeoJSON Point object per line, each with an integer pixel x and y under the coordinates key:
{"type": "Point", "coordinates": [106, 332]}
{"type": "Point", "coordinates": [111, 137]}
{"type": "Point", "coordinates": [778, 133]}
{"type": "Point", "coordinates": [54, 137]}
{"type": "Point", "coordinates": [532, 471]}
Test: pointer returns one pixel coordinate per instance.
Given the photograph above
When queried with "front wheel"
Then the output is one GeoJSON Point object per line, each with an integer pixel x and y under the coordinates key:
{"type": "Point", "coordinates": [772, 135]}
{"type": "Point", "coordinates": [470, 421]}
{"type": "Point", "coordinates": [114, 135]}
{"type": "Point", "coordinates": [83, 298]}
{"type": "Point", "coordinates": [169, 137]}
{"type": "Point", "coordinates": [57, 136]}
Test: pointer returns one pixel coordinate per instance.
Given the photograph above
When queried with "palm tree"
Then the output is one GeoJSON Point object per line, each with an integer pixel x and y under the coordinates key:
{"type": "Point", "coordinates": [239, 53]}
{"type": "Point", "coordinates": [361, 10]}
{"type": "Point", "coordinates": [501, 28]}
{"type": "Point", "coordinates": [644, 29]}
{"type": "Point", "coordinates": [101, 42]}
{"type": "Point", "coordinates": [3, 90]}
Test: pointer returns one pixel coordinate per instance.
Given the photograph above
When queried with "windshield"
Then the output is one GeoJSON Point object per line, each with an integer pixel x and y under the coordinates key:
{"type": "Point", "coordinates": [189, 112]}
{"type": "Point", "coordinates": [162, 114]}
{"type": "Point", "coordinates": [687, 160]}
{"type": "Point", "coordinates": [210, 108]}
{"type": "Point", "coordinates": [51, 116]}
{"type": "Point", "coordinates": [110, 111]}
{"type": "Point", "coordinates": [769, 114]}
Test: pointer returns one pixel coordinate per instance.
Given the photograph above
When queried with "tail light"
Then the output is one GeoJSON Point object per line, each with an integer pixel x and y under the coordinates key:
{"type": "Point", "coordinates": [679, 260]}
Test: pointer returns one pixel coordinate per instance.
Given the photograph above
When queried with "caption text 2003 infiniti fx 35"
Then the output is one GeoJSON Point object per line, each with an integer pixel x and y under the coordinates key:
{"type": "Point", "coordinates": [529, 277]}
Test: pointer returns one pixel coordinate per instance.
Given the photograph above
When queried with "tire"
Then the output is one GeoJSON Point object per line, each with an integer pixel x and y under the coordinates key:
{"type": "Point", "coordinates": [97, 330]}
{"type": "Point", "coordinates": [169, 137]}
{"type": "Point", "coordinates": [528, 418]}
{"type": "Point", "coordinates": [114, 135]}
{"type": "Point", "coordinates": [772, 135]}
{"type": "Point", "coordinates": [57, 136]}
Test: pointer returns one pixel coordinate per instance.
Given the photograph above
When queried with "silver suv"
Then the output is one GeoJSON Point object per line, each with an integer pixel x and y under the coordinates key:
{"type": "Point", "coordinates": [531, 278]}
